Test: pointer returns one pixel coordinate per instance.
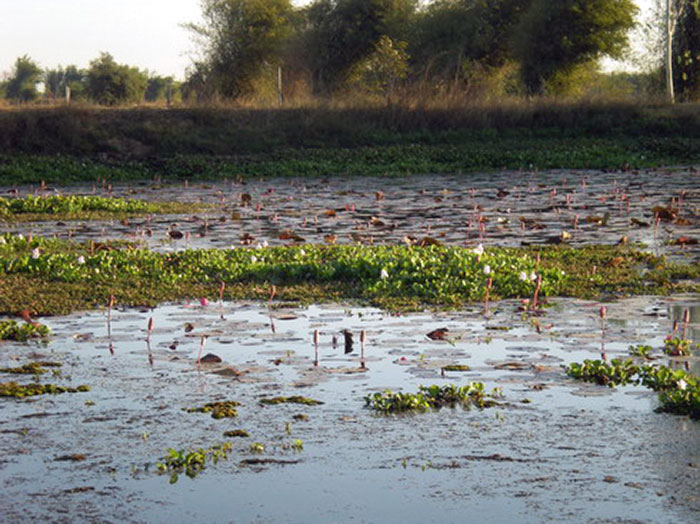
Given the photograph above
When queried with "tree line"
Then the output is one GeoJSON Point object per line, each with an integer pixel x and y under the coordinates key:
{"type": "Point", "coordinates": [270, 48]}
{"type": "Point", "coordinates": [103, 82]}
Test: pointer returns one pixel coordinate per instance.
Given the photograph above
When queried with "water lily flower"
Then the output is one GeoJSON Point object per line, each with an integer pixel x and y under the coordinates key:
{"type": "Point", "coordinates": [2, 241]}
{"type": "Point", "coordinates": [203, 301]}
{"type": "Point", "coordinates": [487, 270]}
{"type": "Point", "coordinates": [36, 253]}
{"type": "Point", "coordinates": [302, 252]}
{"type": "Point", "coordinates": [533, 276]}
{"type": "Point", "coordinates": [478, 250]}
{"type": "Point", "coordinates": [523, 276]}
{"type": "Point", "coordinates": [682, 384]}
{"type": "Point", "coordinates": [81, 260]}
{"type": "Point", "coordinates": [253, 259]}
{"type": "Point", "coordinates": [20, 236]}
{"type": "Point", "coordinates": [384, 274]}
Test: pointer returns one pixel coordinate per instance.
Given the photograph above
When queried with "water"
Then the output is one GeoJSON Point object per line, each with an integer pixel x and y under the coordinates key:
{"type": "Point", "coordinates": [574, 453]}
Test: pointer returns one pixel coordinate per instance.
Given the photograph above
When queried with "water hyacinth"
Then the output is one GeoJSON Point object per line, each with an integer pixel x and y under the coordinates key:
{"type": "Point", "coordinates": [36, 253]}
{"type": "Point", "coordinates": [81, 260]}
{"type": "Point", "coordinates": [383, 274]}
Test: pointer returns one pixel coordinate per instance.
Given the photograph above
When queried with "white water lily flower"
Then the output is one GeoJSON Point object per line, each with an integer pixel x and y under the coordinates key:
{"type": "Point", "coordinates": [384, 274]}
{"type": "Point", "coordinates": [36, 253]}
{"type": "Point", "coordinates": [2, 241]}
{"type": "Point", "coordinates": [523, 276]}
{"type": "Point", "coordinates": [487, 270]}
{"type": "Point", "coordinates": [20, 236]}
{"type": "Point", "coordinates": [682, 384]}
{"type": "Point", "coordinates": [478, 250]}
{"type": "Point", "coordinates": [302, 252]}
{"type": "Point", "coordinates": [533, 276]}
{"type": "Point", "coordinates": [81, 260]}
{"type": "Point", "coordinates": [253, 259]}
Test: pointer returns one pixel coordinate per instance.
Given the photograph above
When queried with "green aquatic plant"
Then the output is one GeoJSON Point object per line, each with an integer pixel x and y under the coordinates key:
{"type": "Point", "coordinates": [615, 373]}
{"type": "Point", "coordinates": [678, 391]}
{"type": "Point", "coordinates": [432, 397]}
{"type": "Point", "coordinates": [11, 330]}
{"type": "Point", "coordinates": [32, 368]}
{"type": "Point", "coordinates": [191, 461]}
{"type": "Point", "coordinates": [640, 350]}
{"type": "Point", "coordinates": [241, 433]}
{"type": "Point", "coordinates": [296, 399]}
{"type": "Point", "coordinates": [58, 276]}
{"type": "Point", "coordinates": [677, 346]}
{"type": "Point", "coordinates": [218, 410]}
{"type": "Point", "coordinates": [13, 389]}
{"type": "Point", "coordinates": [85, 207]}
{"type": "Point", "coordinates": [456, 367]}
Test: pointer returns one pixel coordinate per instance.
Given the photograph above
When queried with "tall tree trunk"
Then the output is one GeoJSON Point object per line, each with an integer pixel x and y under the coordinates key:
{"type": "Point", "coordinates": [669, 53]}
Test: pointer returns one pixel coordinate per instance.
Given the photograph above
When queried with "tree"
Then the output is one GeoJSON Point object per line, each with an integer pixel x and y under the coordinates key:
{"type": "Point", "coordinates": [341, 33]}
{"type": "Point", "coordinates": [159, 88]}
{"type": "Point", "coordinates": [58, 81]}
{"type": "Point", "coordinates": [109, 83]}
{"type": "Point", "coordinates": [25, 76]}
{"type": "Point", "coordinates": [685, 58]}
{"type": "Point", "coordinates": [554, 38]}
{"type": "Point", "coordinates": [239, 38]}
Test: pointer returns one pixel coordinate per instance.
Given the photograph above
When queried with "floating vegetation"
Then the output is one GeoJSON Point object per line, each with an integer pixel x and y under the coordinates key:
{"type": "Point", "coordinates": [60, 276]}
{"type": "Point", "coordinates": [296, 399]}
{"type": "Point", "coordinates": [242, 433]}
{"type": "Point", "coordinates": [433, 397]}
{"type": "Point", "coordinates": [301, 417]}
{"type": "Point", "coordinates": [67, 207]}
{"type": "Point", "coordinates": [256, 447]}
{"type": "Point", "coordinates": [615, 373]}
{"type": "Point", "coordinates": [221, 409]}
{"type": "Point", "coordinates": [11, 330]}
{"type": "Point", "coordinates": [640, 350]}
{"type": "Point", "coordinates": [679, 391]}
{"type": "Point", "coordinates": [677, 346]}
{"type": "Point", "coordinates": [456, 367]}
{"type": "Point", "coordinates": [191, 462]}
{"type": "Point", "coordinates": [32, 368]}
{"type": "Point", "coordinates": [13, 389]}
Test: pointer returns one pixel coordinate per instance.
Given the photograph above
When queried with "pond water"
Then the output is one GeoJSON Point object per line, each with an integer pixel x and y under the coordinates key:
{"type": "Point", "coordinates": [506, 208]}
{"type": "Point", "coordinates": [555, 450]}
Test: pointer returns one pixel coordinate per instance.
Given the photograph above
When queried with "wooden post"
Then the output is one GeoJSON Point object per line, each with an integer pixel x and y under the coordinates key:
{"type": "Point", "coordinates": [67, 94]}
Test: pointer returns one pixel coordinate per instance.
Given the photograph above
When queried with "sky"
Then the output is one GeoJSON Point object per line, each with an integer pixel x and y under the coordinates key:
{"type": "Point", "coordinates": [142, 33]}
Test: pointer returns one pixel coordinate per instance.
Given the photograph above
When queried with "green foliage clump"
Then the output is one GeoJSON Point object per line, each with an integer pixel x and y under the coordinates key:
{"type": "Point", "coordinates": [556, 37]}
{"type": "Point", "coordinates": [73, 204]}
{"type": "Point", "coordinates": [10, 330]}
{"type": "Point", "coordinates": [32, 368]}
{"type": "Point", "coordinates": [432, 397]}
{"type": "Point", "coordinates": [13, 389]}
{"type": "Point", "coordinates": [109, 83]}
{"type": "Point", "coordinates": [192, 461]}
{"type": "Point", "coordinates": [678, 391]}
{"type": "Point", "coordinates": [218, 410]}
{"type": "Point", "coordinates": [242, 433]}
{"type": "Point", "coordinates": [21, 86]}
{"type": "Point", "coordinates": [295, 399]}
{"type": "Point", "coordinates": [677, 346]}
{"type": "Point", "coordinates": [616, 373]}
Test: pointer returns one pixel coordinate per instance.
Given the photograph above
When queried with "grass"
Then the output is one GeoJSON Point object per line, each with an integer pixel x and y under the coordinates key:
{"type": "Point", "coordinates": [86, 144]}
